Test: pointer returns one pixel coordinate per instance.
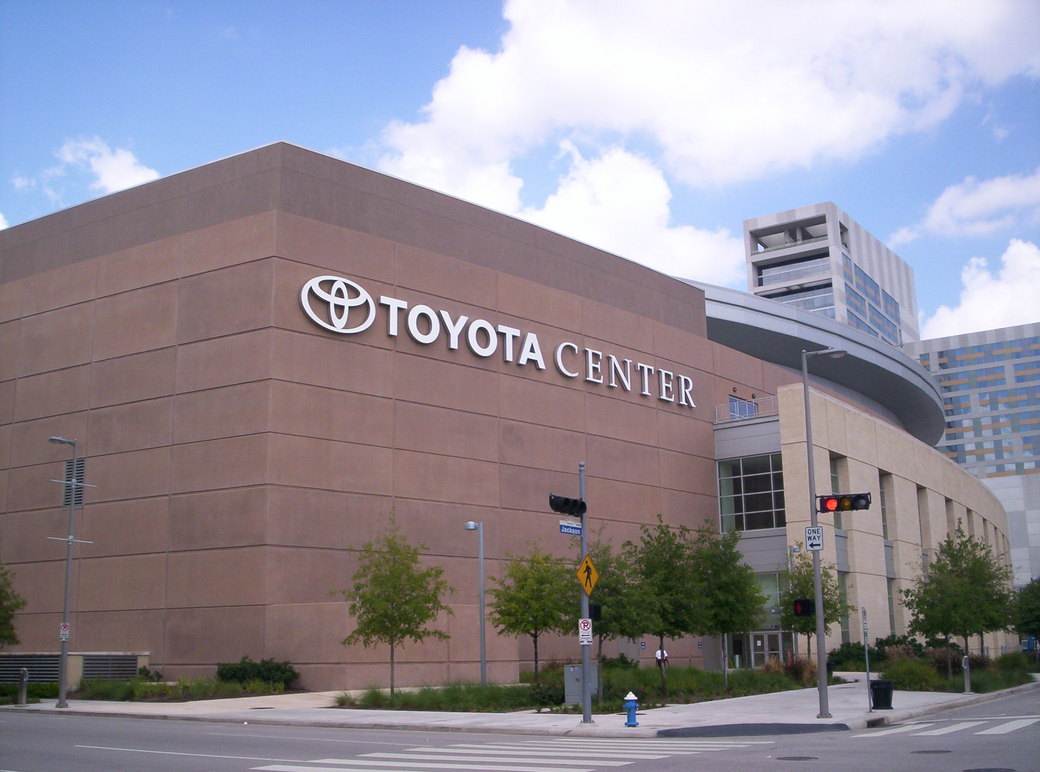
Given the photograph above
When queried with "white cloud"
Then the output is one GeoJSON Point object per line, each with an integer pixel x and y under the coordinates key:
{"type": "Point", "coordinates": [975, 208]}
{"type": "Point", "coordinates": [979, 208]}
{"type": "Point", "coordinates": [620, 202]}
{"type": "Point", "coordinates": [990, 300]}
{"type": "Point", "coordinates": [707, 93]}
{"type": "Point", "coordinates": [112, 170]}
{"type": "Point", "coordinates": [3, 221]}
{"type": "Point", "coordinates": [83, 167]}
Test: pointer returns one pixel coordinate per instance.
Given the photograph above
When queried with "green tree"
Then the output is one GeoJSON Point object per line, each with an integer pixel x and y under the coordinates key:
{"type": "Point", "coordinates": [393, 598]}
{"type": "Point", "coordinates": [729, 594]}
{"type": "Point", "coordinates": [664, 563]}
{"type": "Point", "coordinates": [620, 597]}
{"type": "Point", "coordinates": [1027, 610]}
{"type": "Point", "coordinates": [963, 591]}
{"type": "Point", "coordinates": [798, 583]}
{"type": "Point", "coordinates": [538, 594]}
{"type": "Point", "coordinates": [10, 604]}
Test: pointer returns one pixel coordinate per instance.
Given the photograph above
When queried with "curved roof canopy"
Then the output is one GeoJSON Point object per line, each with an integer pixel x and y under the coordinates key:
{"type": "Point", "coordinates": [777, 333]}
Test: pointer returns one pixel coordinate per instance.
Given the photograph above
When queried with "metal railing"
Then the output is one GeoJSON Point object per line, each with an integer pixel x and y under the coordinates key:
{"type": "Point", "coordinates": [745, 410]}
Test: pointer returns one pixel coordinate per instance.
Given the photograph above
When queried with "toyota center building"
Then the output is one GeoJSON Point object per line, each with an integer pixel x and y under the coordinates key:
{"type": "Point", "coordinates": [266, 361]}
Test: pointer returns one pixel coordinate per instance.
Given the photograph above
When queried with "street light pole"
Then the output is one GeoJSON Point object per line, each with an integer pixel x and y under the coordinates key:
{"type": "Point", "coordinates": [63, 663]}
{"type": "Point", "coordinates": [479, 528]}
{"type": "Point", "coordinates": [821, 630]}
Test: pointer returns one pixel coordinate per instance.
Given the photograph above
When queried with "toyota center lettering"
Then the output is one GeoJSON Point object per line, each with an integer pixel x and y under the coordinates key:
{"type": "Point", "coordinates": [343, 306]}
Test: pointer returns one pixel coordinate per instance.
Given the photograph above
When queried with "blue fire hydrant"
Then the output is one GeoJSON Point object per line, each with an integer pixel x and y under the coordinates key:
{"type": "Point", "coordinates": [631, 705]}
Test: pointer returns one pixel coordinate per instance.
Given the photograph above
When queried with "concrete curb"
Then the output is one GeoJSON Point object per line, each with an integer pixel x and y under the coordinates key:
{"type": "Point", "coordinates": [437, 723]}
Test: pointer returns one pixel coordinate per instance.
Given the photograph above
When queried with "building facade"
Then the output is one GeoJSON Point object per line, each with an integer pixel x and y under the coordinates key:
{"type": "Point", "coordinates": [267, 360]}
{"type": "Point", "coordinates": [819, 259]}
{"type": "Point", "coordinates": [991, 396]}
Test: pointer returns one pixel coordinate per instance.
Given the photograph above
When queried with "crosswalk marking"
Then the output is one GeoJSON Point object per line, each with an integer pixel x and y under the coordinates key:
{"type": "Point", "coordinates": [1010, 726]}
{"type": "Point", "coordinates": [922, 729]}
{"type": "Point", "coordinates": [351, 765]}
{"type": "Point", "coordinates": [558, 754]}
{"type": "Point", "coordinates": [948, 729]}
{"type": "Point", "coordinates": [516, 750]}
{"type": "Point", "coordinates": [490, 756]}
{"type": "Point", "coordinates": [894, 730]}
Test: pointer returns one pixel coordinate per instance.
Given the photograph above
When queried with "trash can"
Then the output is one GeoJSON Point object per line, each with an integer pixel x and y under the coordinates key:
{"type": "Point", "coordinates": [881, 694]}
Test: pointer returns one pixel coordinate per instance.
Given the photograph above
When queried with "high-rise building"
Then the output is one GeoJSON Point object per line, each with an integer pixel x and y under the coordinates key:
{"type": "Point", "coordinates": [817, 258]}
{"type": "Point", "coordinates": [990, 383]}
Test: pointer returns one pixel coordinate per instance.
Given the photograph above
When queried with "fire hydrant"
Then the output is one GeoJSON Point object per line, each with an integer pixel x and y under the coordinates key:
{"type": "Point", "coordinates": [631, 705]}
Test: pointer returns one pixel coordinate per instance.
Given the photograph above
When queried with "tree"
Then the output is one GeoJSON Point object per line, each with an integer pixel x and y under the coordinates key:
{"type": "Point", "coordinates": [620, 598]}
{"type": "Point", "coordinates": [10, 604]}
{"type": "Point", "coordinates": [963, 591]}
{"type": "Point", "coordinates": [1027, 610]}
{"type": "Point", "coordinates": [537, 595]}
{"type": "Point", "coordinates": [664, 563]}
{"type": "Point", "coordinates": [729, 594]}
{"type": "Point", "coordinates": [393, 598]}
{"type": "Point", "coordinates": [798, 582]}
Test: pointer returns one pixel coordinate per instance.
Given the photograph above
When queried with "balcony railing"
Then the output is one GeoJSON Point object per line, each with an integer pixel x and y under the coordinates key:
{"type": "Point", "coordinates": [745, 410]}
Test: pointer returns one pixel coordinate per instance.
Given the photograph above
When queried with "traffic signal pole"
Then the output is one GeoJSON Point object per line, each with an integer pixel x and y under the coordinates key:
{"type": "Point", "coordinates": [821, 630]}
{"type": "Point", "coordinates": [586, 686]}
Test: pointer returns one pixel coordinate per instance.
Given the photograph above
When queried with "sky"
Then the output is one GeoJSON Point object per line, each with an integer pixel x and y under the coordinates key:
{"type": "Point", "coordinates": [649, 128]}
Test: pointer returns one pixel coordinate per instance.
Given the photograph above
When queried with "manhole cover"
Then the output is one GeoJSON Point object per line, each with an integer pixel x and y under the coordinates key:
{"type": "Point", "coordinates": [991, 769]}
{"type": "Point", "coordinates": [931, 751]}
{"type": "Point", "coordinates": [796, 758]}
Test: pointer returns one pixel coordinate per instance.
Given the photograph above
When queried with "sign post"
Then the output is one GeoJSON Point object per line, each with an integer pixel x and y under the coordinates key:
{"type": "Point", "coordinates": [586, 687]}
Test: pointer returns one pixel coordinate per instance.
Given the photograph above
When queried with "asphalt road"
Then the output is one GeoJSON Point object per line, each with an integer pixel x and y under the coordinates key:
{"type": "Point", "coordinates": [1003, 734]}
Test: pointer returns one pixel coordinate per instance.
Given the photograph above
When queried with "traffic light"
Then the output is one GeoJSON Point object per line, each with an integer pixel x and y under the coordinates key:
{"type": "Point", "coordinates": [804, 607]}
{"type": "Point", "coordinates": [566, 506]}
{"type": "Point", "coordinates": [843, 502]}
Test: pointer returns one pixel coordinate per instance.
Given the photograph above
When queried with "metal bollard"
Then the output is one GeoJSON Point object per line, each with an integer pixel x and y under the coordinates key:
{"type": "Point", "coordinates": [631, 705]}
{"type": "Point", "coordinates": [23, 686]}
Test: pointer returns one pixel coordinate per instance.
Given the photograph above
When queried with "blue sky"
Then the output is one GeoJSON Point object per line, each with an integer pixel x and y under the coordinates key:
{"type": "Point", "coordinates": [651, 128]}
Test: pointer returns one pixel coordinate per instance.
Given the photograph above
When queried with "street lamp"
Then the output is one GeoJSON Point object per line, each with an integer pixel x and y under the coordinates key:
{"type": "Point", "coordinates": [479, 528]}
{"type": "Point", "coordinates": [821, 631]}
{"type": "Point", "coordinates": [70, 483]}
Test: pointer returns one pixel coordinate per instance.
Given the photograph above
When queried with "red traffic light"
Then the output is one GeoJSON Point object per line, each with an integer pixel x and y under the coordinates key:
{"type": "Point", "coordinates": [843, 502]}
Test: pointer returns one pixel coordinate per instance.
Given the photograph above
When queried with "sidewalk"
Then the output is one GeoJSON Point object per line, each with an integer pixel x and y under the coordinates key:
{"type": "Point", "coordinates": [779, 713]}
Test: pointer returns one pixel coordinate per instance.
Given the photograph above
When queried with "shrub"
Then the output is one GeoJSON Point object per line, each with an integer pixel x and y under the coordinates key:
{"type": "Point", "coordinates": [802, 671]}
{"type": "Point", "coordinates": [547, 693]}
{"type": "Point", "coordinates": [913, 674]}
{"type": "Point", "coordinates": [898, 647]}
{"type": "Point", "coordinates": [945, 659]}
{"type": "Point", "coordinates": [1012, 662]}
{"type": "Point", "coordinates": [851, 656]}
{"type": "Point", "coordinates": [992, 680]}
{"type": "Point", "coordinates": [149, 675]}
{"type": "Point", "coordinates": [266, 670]}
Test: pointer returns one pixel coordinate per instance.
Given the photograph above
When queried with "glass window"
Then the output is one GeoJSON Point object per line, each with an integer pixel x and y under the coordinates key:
{"type": "Point", "coordinates": [751, 493]}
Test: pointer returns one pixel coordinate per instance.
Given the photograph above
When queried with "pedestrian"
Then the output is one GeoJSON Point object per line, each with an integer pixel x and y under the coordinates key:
{"type": "Point", "coordinates": [662, 657]}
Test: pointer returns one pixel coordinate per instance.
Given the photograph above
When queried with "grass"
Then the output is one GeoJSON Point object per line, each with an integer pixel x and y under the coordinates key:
{"type": "Point", "coordinates": [684, 685]}
{"type": "Point", "coordinates": [185, 690]}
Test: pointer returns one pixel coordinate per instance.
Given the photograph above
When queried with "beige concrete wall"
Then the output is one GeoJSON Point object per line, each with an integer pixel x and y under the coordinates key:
{"type": "Point", "coordinates": [929, 494]}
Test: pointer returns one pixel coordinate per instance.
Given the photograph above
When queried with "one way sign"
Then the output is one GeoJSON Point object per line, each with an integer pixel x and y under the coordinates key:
{"type": "Point", "coordinates": [814, 538]}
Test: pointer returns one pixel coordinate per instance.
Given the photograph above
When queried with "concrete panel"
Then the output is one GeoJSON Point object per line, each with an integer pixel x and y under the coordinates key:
{"type": "Point", "coordinates": [121, 583]}
{"type": "Point", "coordinates": [133, 377]}
{"type": "Point", "coordinates": [134, 321]}
{"type": "Point", "coordinates": [227, 577]}
{"type": "Point", "coordinates": [218, 519]}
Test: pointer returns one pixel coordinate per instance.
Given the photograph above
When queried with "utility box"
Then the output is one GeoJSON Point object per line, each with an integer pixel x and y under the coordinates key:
{"type": "Point", "coordinates": [572, 682]}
